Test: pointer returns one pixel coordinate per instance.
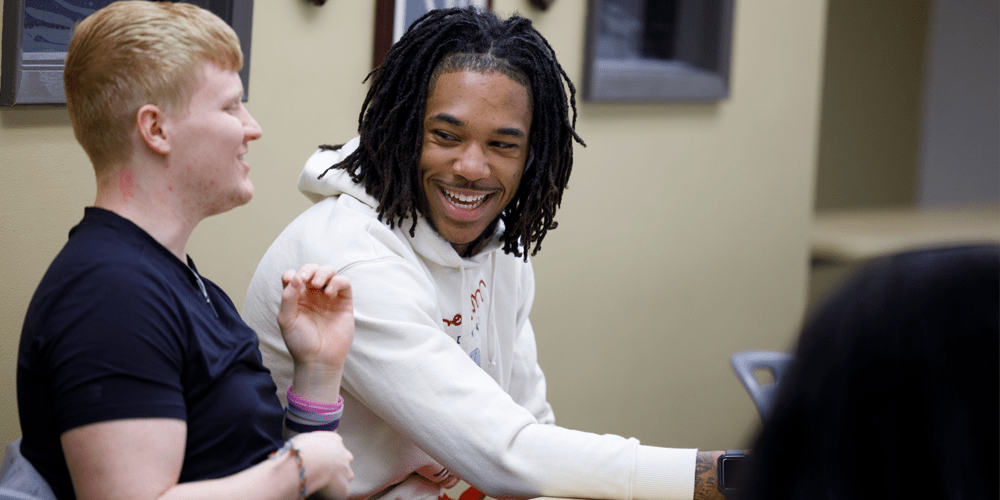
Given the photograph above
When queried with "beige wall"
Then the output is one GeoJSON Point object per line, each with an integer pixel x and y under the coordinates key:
{"type": "Point", "coordinates": [871, 116]}
{"type": "Point", "coordinates": [682, 238]}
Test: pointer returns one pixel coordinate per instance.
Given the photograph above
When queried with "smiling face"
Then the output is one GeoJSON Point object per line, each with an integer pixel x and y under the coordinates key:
{"type": "Point", "coordinates": [475, 143]}
{"type": "Point", "coordinates": [208, 141]}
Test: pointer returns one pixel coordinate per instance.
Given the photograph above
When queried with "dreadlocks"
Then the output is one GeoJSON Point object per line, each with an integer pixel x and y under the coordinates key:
{"type": "Point", "coordinates": [391, 119]}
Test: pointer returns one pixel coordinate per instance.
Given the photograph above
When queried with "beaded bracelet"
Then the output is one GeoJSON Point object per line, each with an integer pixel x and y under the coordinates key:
{"type": "Point", "coordinates": [294, 451]}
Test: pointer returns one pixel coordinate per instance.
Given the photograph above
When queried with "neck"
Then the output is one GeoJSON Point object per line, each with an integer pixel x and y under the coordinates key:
{"type": "Point", "coordinates": [132, 195]}
{"type": "Point", "coordinates": [466, 250]}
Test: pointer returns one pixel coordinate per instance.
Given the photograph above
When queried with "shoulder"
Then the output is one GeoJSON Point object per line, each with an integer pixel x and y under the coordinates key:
{"type": "Point", "coordinates": [102, 269]}
{"type": "Point", "coordinates": [106, 250]}
{"type": "Point", "coordinates": [105, 286]}
{"type": "Point", "coordinates": [340, 231]}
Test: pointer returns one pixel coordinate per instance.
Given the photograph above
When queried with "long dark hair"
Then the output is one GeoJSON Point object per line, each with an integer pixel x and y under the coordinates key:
{"type": "Point", "coordinates": [391, 119]}
{"type": "Point", "coordinates": [895, 390]}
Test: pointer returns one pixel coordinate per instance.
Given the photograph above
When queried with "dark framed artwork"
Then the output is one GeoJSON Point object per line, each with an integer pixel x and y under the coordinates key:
{"type": "Point", "coordinates": [36, 34]}
{"type": "Point", "coordinates": [393, 17]}
{"type": "Point", "coordinates": [658, 50]}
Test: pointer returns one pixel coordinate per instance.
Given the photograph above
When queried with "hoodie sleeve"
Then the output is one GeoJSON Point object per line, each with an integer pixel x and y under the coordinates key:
{"type": "Point", "coordinates": [416, 378]}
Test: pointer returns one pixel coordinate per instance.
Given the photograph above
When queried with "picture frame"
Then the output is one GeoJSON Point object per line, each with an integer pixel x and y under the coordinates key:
{"type": "Point", "coordinates": [662, 51]}
{"type": "Point", "coordinates": [36, 34]}
{"type": "Point", "coordinates": [393, 17]}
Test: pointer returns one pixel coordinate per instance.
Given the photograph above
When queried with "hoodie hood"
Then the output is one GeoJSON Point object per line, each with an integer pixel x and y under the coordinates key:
{"type": "Point", "coordinates": [336, 181]}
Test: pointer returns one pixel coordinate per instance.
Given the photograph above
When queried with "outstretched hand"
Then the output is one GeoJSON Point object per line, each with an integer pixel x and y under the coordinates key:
{"type": "Point", "coordinates": [317, 316]}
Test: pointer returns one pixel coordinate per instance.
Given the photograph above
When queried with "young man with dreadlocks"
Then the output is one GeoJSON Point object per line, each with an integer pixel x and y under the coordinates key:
{"type": "Point", "coordinates": [465, 148]}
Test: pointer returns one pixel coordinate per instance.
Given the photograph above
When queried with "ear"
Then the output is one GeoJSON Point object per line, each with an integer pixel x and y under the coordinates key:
{"type": "Point", "coordinates": [149, 123]}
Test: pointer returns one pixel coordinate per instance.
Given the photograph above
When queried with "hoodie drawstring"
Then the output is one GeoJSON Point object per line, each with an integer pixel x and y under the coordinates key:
{"type": "Point", "coordinates": [492, 332]}
{"type": "Point", "coordinates": [466, 307]}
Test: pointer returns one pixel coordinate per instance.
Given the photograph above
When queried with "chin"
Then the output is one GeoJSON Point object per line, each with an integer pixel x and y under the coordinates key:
{"type": "Point", "coordinates": [237, 200]}
{"type": "Point", "coordinates": [460, 239]}
{"type": "Point", "coordinates": [246, 195]}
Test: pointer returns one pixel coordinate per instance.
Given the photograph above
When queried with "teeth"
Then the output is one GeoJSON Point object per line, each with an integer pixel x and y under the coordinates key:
{"type": "Point", "coordinates": [465, 201]}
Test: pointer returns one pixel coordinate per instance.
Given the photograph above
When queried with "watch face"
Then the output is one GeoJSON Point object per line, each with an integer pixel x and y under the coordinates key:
{"type": "Point", "coordinates": [732, 472]}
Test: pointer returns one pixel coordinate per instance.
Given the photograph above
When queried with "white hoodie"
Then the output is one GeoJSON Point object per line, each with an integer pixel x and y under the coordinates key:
{"type": "Point", "coordinates": [443, 369]}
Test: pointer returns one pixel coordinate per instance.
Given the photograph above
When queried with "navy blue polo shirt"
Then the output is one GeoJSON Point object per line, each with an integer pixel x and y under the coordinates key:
{"type": "Point", "coordinates": [120, 328]}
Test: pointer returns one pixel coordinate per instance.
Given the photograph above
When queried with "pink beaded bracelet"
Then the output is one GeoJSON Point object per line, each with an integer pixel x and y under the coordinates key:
{"type": "Point", "coordinates": [314, 406]}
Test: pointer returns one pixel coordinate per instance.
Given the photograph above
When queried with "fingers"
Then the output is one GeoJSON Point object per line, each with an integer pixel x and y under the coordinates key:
{"type": "Point", "coordinates": [450, 482]}
{"type": "Point", "coordinates": [318, 277]}
{"type": "Point", "coordinates": [305, 273]}
{"type": "Point", "coordinates": [339, 286]}
{"type": "Point", "coordinates": [324, 451]}
{"type": "Point", "coordinates": [289, 296]}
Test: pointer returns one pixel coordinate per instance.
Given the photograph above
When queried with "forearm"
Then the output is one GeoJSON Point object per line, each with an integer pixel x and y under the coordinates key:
{"type": "Point", "coordinates": [318, 385]}
{"type": "Point", "coordinates": [706, 486]}
{"type": "Point", "coordinates": [141, 459]}
{"type": "Point", "coordinates": [268, 480]}
{"type": "Point", "coordinates": [312, 463]}
{"type": "Point", "coordinates": [317, 382]}
{"type": "Point", "coordinates": [504, 452]}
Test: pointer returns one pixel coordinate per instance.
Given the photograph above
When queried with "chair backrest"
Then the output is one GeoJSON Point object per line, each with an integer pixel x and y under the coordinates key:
{"type": "Point", "coordinates": [746, 364]}
{"type": "Point", "coordinates": [18, 478]}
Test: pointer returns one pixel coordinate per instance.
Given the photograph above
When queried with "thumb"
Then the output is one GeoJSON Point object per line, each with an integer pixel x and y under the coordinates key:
{"type": "Point", "coordinates": [290, 294]}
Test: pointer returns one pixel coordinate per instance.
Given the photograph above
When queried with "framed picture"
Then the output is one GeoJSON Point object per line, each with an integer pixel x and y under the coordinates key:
{"type": "Point", "coordinates": [36, 35]}
{"type": "Point", "coordinates": [658, 50]}
{"type": "Point", "coordinates": [393, 17]}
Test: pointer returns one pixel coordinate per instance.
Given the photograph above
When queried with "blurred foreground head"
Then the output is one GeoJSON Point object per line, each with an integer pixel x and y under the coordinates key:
{"type": "Point", "coordinates": [894, 391]}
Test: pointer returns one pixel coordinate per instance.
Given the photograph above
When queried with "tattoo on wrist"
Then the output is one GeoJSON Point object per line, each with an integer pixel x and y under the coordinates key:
{"type": "Point", "coordinates": [704, 476]}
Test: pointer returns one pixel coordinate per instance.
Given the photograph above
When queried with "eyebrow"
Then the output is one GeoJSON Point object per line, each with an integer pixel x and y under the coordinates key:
{"type": "Point", "coordinates": [234, 93]}
{"type": "Point", "coordinates": [452, 119]}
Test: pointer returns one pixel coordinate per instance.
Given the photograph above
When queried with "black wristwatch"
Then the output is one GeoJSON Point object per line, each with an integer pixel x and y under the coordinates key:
{"type": "Point", "coordinates": [731, 470]}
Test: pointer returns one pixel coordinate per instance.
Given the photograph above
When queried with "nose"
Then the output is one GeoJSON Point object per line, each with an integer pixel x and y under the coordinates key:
{"type": "Point", "coordinates": [472, 163]}
{"type": "Point", "coordinates": [251, 129]}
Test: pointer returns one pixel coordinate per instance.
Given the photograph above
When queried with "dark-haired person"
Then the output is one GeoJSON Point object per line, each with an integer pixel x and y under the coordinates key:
{"type": "Point", "coordinates": [136, 377]}
{"type": "Point", "coordinates": [894, 393]}
{"type": "Point", "coordinates": [465, 148]}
